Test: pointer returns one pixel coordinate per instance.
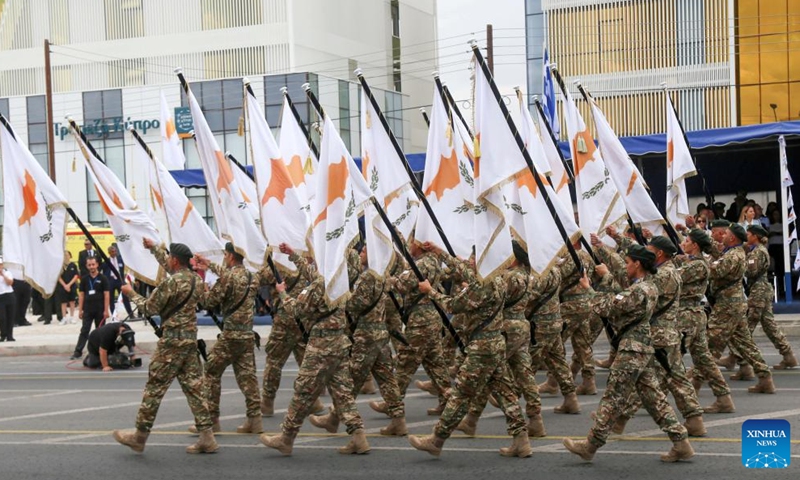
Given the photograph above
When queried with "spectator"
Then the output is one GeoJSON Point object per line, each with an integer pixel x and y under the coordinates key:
{"type": "Point", "coordinates": [93, 303]}
{"type": "Point", "coordinates": [115, 283]}
{"type": "Point", "coordinates": [701, 222]}
{"type": "Point", "coordinates": [775, 249]}
{"type": "Point", "coordinates": [67, 291]}
{"type": "Point", "coordinates": [771, 206]}
{"type": "Point", "coordinates": [760, 217]}
{"type": "Point", "coordinates": [84, 255]}
{"type": "Point", "coordinates": [6, 305]}
{"type": "Point", "coordinates": [105, 344]}
{"type": "Point", "coordinates": [748, 216]}
{"type": "Point", "coordinates": [22, 298]}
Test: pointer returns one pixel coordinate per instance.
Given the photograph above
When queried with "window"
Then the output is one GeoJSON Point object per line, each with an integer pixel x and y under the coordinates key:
{"type": "Point", "coordinates": [59, 22]}
{"type": "Point", "coordinates": [273, 98]}
{"type": "Point", "coordinates": [124, 19]}
{"type": "Point", "coordinates": [218, 14]}
{"type": "Point", "coordinates": [4, 108]}
{"type": "Point", "coordinates": [37, 130]}
{"type": "Point", "coordinates": [393, 112]}
{"type": "Point", "coordinates": [103, 125]}
{"type": "Point", "coordinates": [344, 112]}
{"type": "Point", "coordinates": [395, 8]}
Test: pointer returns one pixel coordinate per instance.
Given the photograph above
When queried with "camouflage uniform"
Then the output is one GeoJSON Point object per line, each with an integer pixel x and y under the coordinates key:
{"type": "Point", "coordinates": [692, 322]}
{"type": "Point", "coordinates": [544, 310]}
{"type": "Point", "coordinates": [760, 299]}
{"type": "Point", "coordinates": [616, 265]}
{"type": "Point", "coordinates": [423, 328]}
{"type": "Point", "coordinates": [517, 329]}
{"type": "Point", "coordinates": [576, 312]}
{"type": "Point", "coordinates": [727, 323]}
{"type": "Point", "coordinates": [325, 360]}
{"type": "Point", "coordinates": [633, 365]}
{"type": "Point", "coordinates": [235, 289]}
{"type": "Point", "coordinates": [666, 336]}
{"type": "Point", "coordinates": [484, 363]}
{"type": "Point", "coordinates": [176, 351]}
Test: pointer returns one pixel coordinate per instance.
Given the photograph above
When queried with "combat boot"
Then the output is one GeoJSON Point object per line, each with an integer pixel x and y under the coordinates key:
{"type": "Point", "coordinates": [745, 373]}
{"type": "Point", "coordinates": [570, 404]}
{"type": "Point", "coordinates": [251, 425]}
{"type": "Point", "coordinates": [680, 451]}
{"type": "Point", "coordinates": [318, 406]}
{"type": "Point", "coordinates": [583, 448]}
{"type": "Point", "coordinates": [282, 443]}
{"type": "Point", "coordinates": [468, 424]}
{"type": "Point", "coordinates": [379, 407]}
{"type": "Point", "coordinates": [204, 444]}
{"type": "Point", "coordinates": [789, 361]}
{"type": "Point", "coordinates": [619, 425]}
{"type": "Point", "coordinates": [215, 426]}
{"type": "Point", "coordinates": [588, 387]}
{"type": "Point", "coordinates": [267, 406]}
{"type": "Point", "coordinates": [550, 386]}
{"type": "Point", "coordinates": [694, 425]}
{"type": "Point", "coordinates": [728, 362]}
{"type": "Point", "coordinates": [427, 386]}
{"type": "Point", "coordinates": [764, 385]}
{"type": "Point", "coordinates": [357, 445]}
{"type": "Point", "coordinates": [536, 426]}
{"type": "Point", "coordinates": [397, 428]}
{"type": "Point", "coordinates": [436, 411]}
{"type": "Point", "coordinates": [328, 422]}
{"type": "Point", "coordinates": [431, 443]}
{"type": "Point", "coordinates": [520, 447]}
{"type": "Point", "coordinates": [134, 439]}
{"type": "Point", "coordinates": [369, 387]}
{"type": "Point", "coordinates": [723, 404]}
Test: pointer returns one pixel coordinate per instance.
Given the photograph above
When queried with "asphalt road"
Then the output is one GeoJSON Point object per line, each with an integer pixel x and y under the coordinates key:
{"type": "Point", "coordinates": [55, 422]}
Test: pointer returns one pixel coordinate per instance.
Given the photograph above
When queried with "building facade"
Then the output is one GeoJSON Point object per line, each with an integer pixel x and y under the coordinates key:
{"type": "Point", "coordinates": [111, 59]}
{"type": "Point", "coordinates": [724, 61]}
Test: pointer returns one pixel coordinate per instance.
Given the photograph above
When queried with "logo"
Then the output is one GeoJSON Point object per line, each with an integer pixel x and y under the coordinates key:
{"type": "Point", "coordinates": [766, 443]}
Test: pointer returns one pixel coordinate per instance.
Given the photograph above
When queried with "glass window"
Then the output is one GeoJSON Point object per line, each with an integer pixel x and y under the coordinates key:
{"type": "Point", "coordinates": [37, 130]}
{"type": "Point", "coordinates": [36, 109]}
{"type": "Point", "coordinates": [274, 115]}
{"type": "Point", "coordinates": [104, 108]}
{"type": "Point", "coordinates": [124, 19]}
{"type": "Point", "coordinates": [4, 108]}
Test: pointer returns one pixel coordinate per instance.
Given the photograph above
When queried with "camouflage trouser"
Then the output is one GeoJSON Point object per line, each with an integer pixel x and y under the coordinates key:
{"type": "Point", "coordinates": [370, 355]}
{"type": "Point", "coordinates": [448, 349]}
{"type": "Point", "coordinates": [284, 339]}
{"type": "Point", "coordinates": [759, 311]}
{"type": "Point", "coordinates": [549, 350]}
{"type": "Point", "coordinates": [425, 348]}
{"type": "Point", "coordinates": [320, 369]}
{"type": "Point", "coordinates": [174, 358]}
{"type": "Point", "coordinates": [696, 343]}
{"type": "Point", "coordinates": [674, 381]}
{"type": "Point", "coordinates": [484, 365]}
{"type": "Point", "coordinates": [596, 328]}
{"type": "Point", "coordinates": [634, 372]}
{"type": "Point", "coordinates": [239, 353]}
{"type": "Point", "coordinates": [519, 372]}
{"type": "Point", "coordinates": [726, 325]}
{"type": "Point", "coordinates": [578, 321]}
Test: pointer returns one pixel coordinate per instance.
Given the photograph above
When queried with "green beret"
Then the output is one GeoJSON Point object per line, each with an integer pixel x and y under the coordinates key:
{"type": "Point", "coordinates": [229, 248]}
{"type": "Point", "coordinates": [664, 244]}
{"type": "Point", "coordinates": [758, 230]}
{"type": "Point", "coordinates": [700, 237]}
{"type": "Point", "coordinates": [519, 253]}
{"type": "Point", "coordinates": [180, 250]}
{"type": "Point", "coordinates": [638, 252]}
{"type": "Point", "coordinates": [738, 230]}
{"type": "Point", "coordinates": [720, 223]}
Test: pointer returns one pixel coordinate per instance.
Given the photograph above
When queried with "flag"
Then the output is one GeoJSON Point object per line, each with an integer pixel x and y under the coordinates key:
{"type": "Point", "coordinates": [599, 204]}
{"type": "Point", "coordinates": [276, 194]}
{"type": "Point", "coordinates": [296, 148]}
{"type": "Point", "coordinates": [234, 217]}
{"type": "Point", "coordinates": [549, 96]}
{"type": "Point", "coordinates": [129, 224]}
{"type": "Point", "coordinates": [530, 136]}
{"type": "Point", "coordinates": [680, 166]}
{"type": "Point", "coordinates": [447, 184]}
{"type": "Point", "coordinates": [170, 142]}
{"type": "Point", "coordinates": [382, 167]}
{"type": "Point", "coordinates": [626, 176]}
{"type": "Point", "coordinates": [341, 196]}
{"type": "Point", "coordinates": [35, 226]}
{"type": "Point", "coordinates": [184, 224]}
{"type": "Point", "coordinates": [559, 174]}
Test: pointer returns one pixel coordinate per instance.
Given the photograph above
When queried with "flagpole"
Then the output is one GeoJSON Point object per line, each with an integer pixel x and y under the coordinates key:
{"type": "Point", "coordinates": [425, 116]}
{"type": "Point", "coordinates": [787, 275]}
{"type": "Point", "coordinates": [297, 118]}
{"type": "Point", "coordinates": [438, 83]}
{"type": "Point", "coordinates": [456, 110]}
{"type": "Point", "coordinates": [399, 243]}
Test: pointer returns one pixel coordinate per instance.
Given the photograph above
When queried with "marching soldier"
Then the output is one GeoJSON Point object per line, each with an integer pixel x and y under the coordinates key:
{"type": "Point", "coordinates": [175, 300]}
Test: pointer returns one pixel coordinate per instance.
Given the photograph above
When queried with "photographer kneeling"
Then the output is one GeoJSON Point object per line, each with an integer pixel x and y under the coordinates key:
{"type": "Point", "coordinates": [105, 344]}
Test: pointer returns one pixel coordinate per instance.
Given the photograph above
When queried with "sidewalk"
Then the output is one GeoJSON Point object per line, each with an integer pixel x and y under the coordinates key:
{"type": "Point", "coordinates": [55, 339]}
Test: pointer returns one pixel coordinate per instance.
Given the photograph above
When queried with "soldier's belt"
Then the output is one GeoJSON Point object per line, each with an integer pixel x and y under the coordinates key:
{"type": "Point", "coordinates": [324, 332]}
{"type": "Point", "coordinates": [179, 335]}
{"type": "Point", "coordinates": [543, 317]}
{"type": "Point", "coordinates": [690, 303]}
{"type": "Point", "coordinates": [482, 335]}
{"type": "Point", "coordinates": [372, 326]}
{"type": "Point", "coordinates": [568, 297]}
{"type": "Point", "coordinates": [237, 327]}
{"type": "Point", "coordinates": [516, 316]}
{"type": "Point", "coordinates": [729, 300]}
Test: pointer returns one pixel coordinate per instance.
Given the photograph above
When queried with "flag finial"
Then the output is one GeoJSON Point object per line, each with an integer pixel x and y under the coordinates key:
{"type": "Point", "coordinates": [358, 73]}
{"type": "Point", "coordinates": [306, 86]}
{"type": "Point", "coordinates": [178, 70]}
{"type": "Point", "coordinates": [284, 90]}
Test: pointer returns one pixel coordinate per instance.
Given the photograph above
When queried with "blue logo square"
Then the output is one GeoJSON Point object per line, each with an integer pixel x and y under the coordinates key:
{"type": "Point", "coordinates": [766, 444]}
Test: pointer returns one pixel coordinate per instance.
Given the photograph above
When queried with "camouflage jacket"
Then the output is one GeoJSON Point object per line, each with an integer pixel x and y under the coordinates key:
{"type": "Point", "coordinates": [519, 288]}
{"type": "Point", "coordinates": [694, 282]}
{"type": "Point", "coordinates": [615, 263]}
{"type": "Point", "coordinates": [366, 305]}
{"type": "Point", "coordinates": [236, 288]}
{"type": "Point", "coordinates": [477, 302]}
{"type": "Point", "coordinates": [757, 268]}
{"type": "Point", "coordinates": [543, 303]}
{"type": "Point", "coordinates": [407, 285]}
{"type": "Point", "coordinates": [727, 273]}
{"type": "Point", "coordinates": [294, 282]}
{"type": "Point", "coordinates": [180, 327]}
{"type": "Point", "coordinates": [664, 324]}
{"type": "Point", "coordinates": [632, 306]}
{"type": "Point", "coordinates": [570, 275]}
